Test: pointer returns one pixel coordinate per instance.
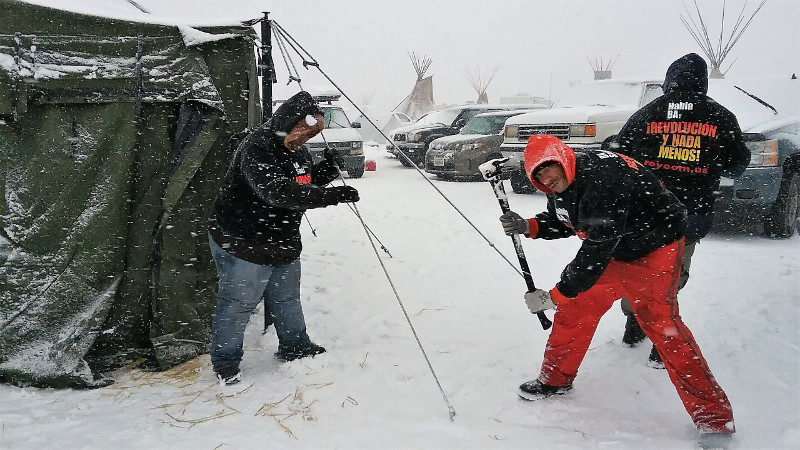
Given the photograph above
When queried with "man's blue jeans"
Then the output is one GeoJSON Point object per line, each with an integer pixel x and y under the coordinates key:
{"type": "Point", "coordinates": [242, 285]}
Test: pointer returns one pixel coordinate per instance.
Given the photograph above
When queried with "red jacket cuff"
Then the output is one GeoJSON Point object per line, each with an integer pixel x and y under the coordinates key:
{"type": "Point", "coordinates": [533, 228]}
{"type": "Point", "coordinates": [558, 297]}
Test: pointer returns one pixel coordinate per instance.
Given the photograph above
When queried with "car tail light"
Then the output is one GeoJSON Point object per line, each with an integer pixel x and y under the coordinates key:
{"type": "Point", "coordinates": [583, 129]}
{"type": "Point", "coordinates": [763, 153]}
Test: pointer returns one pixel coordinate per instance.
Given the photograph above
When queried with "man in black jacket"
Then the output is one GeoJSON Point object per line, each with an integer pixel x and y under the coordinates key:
{"type": "Point", "coordinates": [254, 232]}
{"type": "Point", "coordinates": [688, 140]}
{"type": "Point", "coordinates": [632, 231]}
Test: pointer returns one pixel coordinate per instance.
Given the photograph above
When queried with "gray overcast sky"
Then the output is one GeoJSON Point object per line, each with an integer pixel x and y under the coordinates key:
{"type": "Point", "coordinates": [540, 46]}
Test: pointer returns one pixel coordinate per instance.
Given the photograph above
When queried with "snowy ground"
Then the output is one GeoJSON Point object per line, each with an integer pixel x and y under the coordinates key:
{"type": "Point", "coordinates": [374, 389]}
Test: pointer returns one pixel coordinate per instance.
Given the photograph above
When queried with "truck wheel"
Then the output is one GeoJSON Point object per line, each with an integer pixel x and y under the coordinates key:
{"type": "Point", "coordinates": [356, 171]}
{"type": "Point", "coordinates": [520, 183]}
{"type": "Point", "coordinates": [781, 221]}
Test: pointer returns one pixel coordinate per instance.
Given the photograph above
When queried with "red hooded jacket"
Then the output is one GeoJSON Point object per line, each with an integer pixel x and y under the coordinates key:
{"type": "Point", "coordinates": [618, 207]}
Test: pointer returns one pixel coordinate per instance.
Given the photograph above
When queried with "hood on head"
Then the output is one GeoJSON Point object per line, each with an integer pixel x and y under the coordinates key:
{"type": "Point", "coordinates": [292, 111]}
{"type": "Point", "coordinates": [542, 148]}
{"type": "Point", "coordinates": [687, 73]}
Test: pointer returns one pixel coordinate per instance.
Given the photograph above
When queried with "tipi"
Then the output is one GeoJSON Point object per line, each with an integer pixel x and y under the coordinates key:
{"type": "Point", "coordinates": [717, 53]}
{"type": "Point", "coordinates": [601, 68]}
{"type": "Point", "coordinates": [480, 82]}
{"type": "Point", "coordinates": [420, 100]}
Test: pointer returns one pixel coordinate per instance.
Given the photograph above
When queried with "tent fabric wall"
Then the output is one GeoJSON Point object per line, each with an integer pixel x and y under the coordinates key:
{"type": "Point", "coordinates": [114, 137]}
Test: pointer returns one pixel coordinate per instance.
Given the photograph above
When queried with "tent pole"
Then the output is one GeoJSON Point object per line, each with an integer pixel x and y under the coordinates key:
{"type": "Point", "coordinates": [267, 68]}
{"type": "Point", "coordinates": [267, 78]}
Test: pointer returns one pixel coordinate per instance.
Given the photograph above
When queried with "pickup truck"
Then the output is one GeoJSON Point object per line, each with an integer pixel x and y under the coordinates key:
{"type": "Point", "coordinates": [342, 135]}
{"type": "Point", "coordinates": [587, 117]}
{"type": "Point", "coordinates": [591, 115]}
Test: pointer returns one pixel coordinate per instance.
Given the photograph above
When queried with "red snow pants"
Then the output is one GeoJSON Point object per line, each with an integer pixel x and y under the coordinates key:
{"type": "Point", "coordinates": [650, 283]}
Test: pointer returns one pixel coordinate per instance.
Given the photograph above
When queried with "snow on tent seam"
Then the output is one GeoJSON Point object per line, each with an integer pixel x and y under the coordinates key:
{"type": "Point", "coordinates": [114, 137]}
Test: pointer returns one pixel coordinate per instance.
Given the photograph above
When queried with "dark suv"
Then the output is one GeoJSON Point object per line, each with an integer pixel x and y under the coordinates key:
{"type": "Point", "coordinates": [413, 140]}
{"type": "Point", "coordinates": [458, 156]}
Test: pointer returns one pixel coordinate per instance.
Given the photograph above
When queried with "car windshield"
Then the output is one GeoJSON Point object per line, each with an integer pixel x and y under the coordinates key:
{"type": "Point", "coordinates": [608, 94]}
{"type": "Point", "coordinates": [335, 118]}
{"type": "Point", "coordinates": [485, 124]}
{"type": "Point", "coordinates": [445, 116]}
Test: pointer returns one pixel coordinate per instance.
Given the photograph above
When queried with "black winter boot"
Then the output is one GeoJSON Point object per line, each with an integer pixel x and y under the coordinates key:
{"type": "Point", "coordinates": [654, 360]}
{"type": "Point", "coordinates": [292, 353]}
{"type": "Point", "coordinates": [633, 332]}
{"type": "Point", "coordinates": [229, 375]}
{"type": "Point", "coordinates": [536, 390]}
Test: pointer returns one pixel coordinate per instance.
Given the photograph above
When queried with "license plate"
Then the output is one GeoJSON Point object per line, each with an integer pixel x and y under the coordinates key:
{"type": "Point", "coordinates": [438, 160]}
{"type": "Point", "coordinates": [725, 181]}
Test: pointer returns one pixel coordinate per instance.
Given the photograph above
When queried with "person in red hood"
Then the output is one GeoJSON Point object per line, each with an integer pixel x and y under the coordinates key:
{"type": "Point", "coordinates": [633, 237]}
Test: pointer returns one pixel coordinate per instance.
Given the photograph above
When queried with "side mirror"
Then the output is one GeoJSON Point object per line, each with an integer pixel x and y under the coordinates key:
{"type": "Point", "coordinates": [459, 124]}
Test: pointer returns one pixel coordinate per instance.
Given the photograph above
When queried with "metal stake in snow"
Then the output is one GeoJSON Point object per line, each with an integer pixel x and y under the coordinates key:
{"type": "Point", "coordinates": [491, 172]}
{"type": "Point", "coordinates": [370, 235]}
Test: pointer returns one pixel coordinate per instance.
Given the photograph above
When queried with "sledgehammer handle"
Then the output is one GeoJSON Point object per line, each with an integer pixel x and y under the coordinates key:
{"type": "Point", "coordinates": [502, 198]}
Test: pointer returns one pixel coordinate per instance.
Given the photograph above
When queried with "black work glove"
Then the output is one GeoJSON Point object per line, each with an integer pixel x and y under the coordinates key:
{"type": "Point", "coordinates": [333, 155]}
{"type": "Point", "coordinates": [341, 194]}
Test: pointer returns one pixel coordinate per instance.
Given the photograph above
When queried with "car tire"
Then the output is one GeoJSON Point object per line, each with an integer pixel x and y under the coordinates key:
{"type": "Point", "coordinates": [781, 220]}
{"type": "Point", "coordinates": [404, 160]}
{"type": "Point", "coordinates": [520, 183]}
{"type": "Point", "coordinates": [355, 171]}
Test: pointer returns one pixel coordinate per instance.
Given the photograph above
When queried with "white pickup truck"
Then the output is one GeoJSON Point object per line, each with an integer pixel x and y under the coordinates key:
{"type": "Point", "coordinates": [588, 115]}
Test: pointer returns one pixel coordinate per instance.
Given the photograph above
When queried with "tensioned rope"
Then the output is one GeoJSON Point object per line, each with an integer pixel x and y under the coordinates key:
{"type": "Point", "coordinates": [283, 35]}
{"type": "Point", "coordinates": [280, 40]}
{"type": "Point", "coordinates": [284, 39]}
{"type": "Point", "coordinates": [279, 30]}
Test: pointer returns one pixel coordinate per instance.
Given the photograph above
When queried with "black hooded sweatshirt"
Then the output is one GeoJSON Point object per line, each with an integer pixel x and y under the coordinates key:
{"type": "Point", "coordinates": [257, 213]}
{"type": "Point", "coordinates": [688, 140]}
{"type": "Point", "coordinates": [619, 209]}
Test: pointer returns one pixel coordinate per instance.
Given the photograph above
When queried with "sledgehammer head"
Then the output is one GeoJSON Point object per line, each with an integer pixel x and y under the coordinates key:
{"type": "Point", "coordinates": [492, 169]}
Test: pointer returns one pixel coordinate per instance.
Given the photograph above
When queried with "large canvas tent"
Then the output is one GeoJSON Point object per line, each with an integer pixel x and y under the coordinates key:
{"type": "Point", "coordinates": [114, 136]}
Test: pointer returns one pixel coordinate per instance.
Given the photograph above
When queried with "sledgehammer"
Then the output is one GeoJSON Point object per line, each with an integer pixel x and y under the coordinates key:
{"type": "Point", "coordinates": [491, 171]}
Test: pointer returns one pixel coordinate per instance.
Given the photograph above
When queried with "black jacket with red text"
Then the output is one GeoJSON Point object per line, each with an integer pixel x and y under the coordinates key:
{"type": "Point", "coordinates": [619, 209]}
{"type": "Point", "coordinates": [687, 139]}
